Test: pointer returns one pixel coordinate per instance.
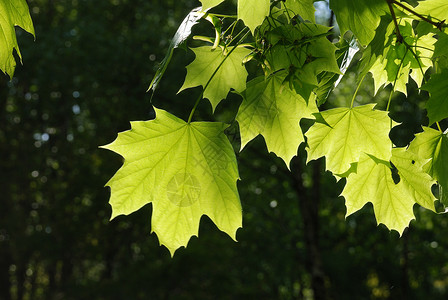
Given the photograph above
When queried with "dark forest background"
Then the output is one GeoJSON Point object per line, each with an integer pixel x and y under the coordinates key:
{"type": "Point", "coordinates": [83, 79]}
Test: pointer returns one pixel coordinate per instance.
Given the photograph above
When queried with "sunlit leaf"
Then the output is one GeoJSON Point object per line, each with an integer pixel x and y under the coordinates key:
{"type": "Point", "coordinates": [373, 183]}
{"type": "Point", "coordinates": [359, 16]}
{"type": "Point", "coordinates": [226, 68]}
{"type": "Point", "coordinates": [185, 170]}
{"type": "Point", "coordinates": [273, 110]}
{"type": "Point", "coordinates": [343, 134]}
{"type": "Point", "coordinates": [253, 12]}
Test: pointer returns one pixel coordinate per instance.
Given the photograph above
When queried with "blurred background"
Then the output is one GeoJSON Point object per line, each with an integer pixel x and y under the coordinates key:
{"type": "Point", "coordinates": [83, 79]}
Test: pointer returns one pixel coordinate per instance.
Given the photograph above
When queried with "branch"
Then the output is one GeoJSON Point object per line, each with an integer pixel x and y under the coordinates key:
{"type": "Point", "coordinates": [394, 17]}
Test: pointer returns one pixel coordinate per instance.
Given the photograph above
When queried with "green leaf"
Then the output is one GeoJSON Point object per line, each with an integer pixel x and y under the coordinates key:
{"type": "Point", "coordinates": [431, 149]}
{"type": "Point", "coordinates": [417, 182]}
{"type": "Point", "coordinates": [359, 16]}
{"type": "Point", "coordinates": [399, 60]}
{"type": "Point", "coordinates": [253, 12]}
{"type": "Point", "coordinates": [437, 106]}
{"type": "Point", "coordinates": [184, 169]}
{"type": "Point", "coordinates": [206, 4]}
{"type": "Point", "coordinates": [435, 8]}
{"type": "Point", "coordinates": [273, 110]}
{"type": "Point", "coordinates": [373, 183]}
{"type": "Point", "coordinates": [182, 33]}
{"type": "Point", "coordinates": [343, 134]}
{"type": "Point", "coordinates": [12, 13]}
{"type": "Point", "coordinates": [230, 73]}
{"type": "Point", "coordinates": [303, 8]}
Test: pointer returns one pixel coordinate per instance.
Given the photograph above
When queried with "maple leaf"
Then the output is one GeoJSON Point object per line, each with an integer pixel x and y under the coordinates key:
{"type": "Point", "coordinates": [373, 183]}
{"type": "Point", "coordinates": [437, 106]}
{"type": "Point", "coordinates": [217, 72]}
{"type": "Point", "coordinates": [417, 182]}
{"type": "Point", "coordinates": [431, 149]}
{"type": "Point", "coordinates": [273, 110]}
{"type": "Point", "coordinates": [12, 13]}
{"type": "Point", "coordinates": [253, 12]}
{"type": "Point", "coordinates": [399, 60]}
{"type": "Point", "coordinates": [304, 8]}
{"type": "Point", "coordinates": [184, 169]}
{"type": "Point", "coordinates": [359, 16]}
{"type": "Point", "coordinates": [343, 134]}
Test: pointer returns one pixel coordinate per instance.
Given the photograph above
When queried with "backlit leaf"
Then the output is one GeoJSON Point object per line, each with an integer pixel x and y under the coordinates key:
{"type": "Point", "coordinates": [304, 8]}
{"type": "Point", "coordinates": [273, 110]}
{"type": "Point", "coordinates": [231, 72]}
{"type": "Point", "coordinates": [185, 170]}
{"type": "Point", "coordinates": [373, 183]}
{"type": "Point", "coordinates": [343, 134]}
{"type": "Point", "coordinates": [253, 12]}
{"type": "Point", "coordinates": [359, 16]}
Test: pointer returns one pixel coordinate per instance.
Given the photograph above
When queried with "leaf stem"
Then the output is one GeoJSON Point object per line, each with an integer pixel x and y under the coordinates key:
{"type": "Point", "coordinates": [438, 126]}
{"type": "Point", "coordinates": [356, 91]}
{"type": "Point", "coordinates": [438, 25]}
{"type": "Point", "coordinates": [216, 71]}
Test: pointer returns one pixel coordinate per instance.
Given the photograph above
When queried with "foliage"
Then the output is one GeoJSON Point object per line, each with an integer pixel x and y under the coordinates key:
{"type": "Point", "coordinates": [294, 56]}
{"type": "Point", "coordinates": [84, 78]}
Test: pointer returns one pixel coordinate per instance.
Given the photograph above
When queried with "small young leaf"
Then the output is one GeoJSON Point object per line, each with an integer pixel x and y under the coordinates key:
{"type": "Point", "coordinates": [184, 169]}
{"type": "Point", "coordinates": [273, 110]}
{"type": "Point", "coordinates": [12, 13]}
{"type": "Point", "coordinates": [253, 12]}
{"type": "Point", "coordinates": [343, 134]}
{"type": "Point", "coordinates": [230, 73]}
{"type": "Point", "coordinates": [303, 8]}
{"type": "Point", "coordinates": [373, 182]}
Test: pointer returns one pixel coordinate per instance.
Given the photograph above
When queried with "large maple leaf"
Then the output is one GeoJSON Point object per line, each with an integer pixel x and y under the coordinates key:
{"type": "Point", "coordinates": [185, 170]}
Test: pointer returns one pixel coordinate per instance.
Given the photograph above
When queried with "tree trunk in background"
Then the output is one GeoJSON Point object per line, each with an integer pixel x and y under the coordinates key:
{"type": "Point", "coordinates": [309, 208]}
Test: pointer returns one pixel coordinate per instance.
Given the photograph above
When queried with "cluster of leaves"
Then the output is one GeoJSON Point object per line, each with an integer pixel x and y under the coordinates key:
{"type": "Point", "coordinates": [187, 169]}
